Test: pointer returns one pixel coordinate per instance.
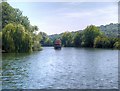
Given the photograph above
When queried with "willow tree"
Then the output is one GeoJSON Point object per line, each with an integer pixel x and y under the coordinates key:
{"type": "Point", "coordinates": [7, 38]}
{"type": "Point", "coordinates": [18, 34]}
{"type": "Point", "coordinates": [16, 39]}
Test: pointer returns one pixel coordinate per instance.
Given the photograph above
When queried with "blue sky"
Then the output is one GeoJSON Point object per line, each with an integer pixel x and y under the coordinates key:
{"type": "Point", "coordinates": [58, 17]}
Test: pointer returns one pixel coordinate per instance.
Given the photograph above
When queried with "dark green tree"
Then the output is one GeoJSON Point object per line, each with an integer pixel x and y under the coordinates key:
{"type": "Point", "coordinates": [101, 42]}
{"type": "Point", "coordinates": [117, 45]}
{"type": "Point", "coordinates": [67, 39]}
{"type": "Point", "coordinates": [78, 39]}
{"type": "Point", "coordinates": [89, 34]}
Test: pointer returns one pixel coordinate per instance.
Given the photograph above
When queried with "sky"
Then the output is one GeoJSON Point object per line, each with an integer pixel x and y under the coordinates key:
{"type": "Point", "coordinates": [58, 17]}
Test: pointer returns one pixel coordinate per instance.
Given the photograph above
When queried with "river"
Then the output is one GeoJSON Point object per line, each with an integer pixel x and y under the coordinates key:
{"type": "Point", "coordinates": [68, 68]}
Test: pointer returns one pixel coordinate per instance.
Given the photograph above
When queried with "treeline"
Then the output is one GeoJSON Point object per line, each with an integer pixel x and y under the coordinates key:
{"type": "Point", "coordinates": [90, 37]}
{"type": "Point", "coordinates": [18, 35]}
{"type": "Point", "coordinates": [110, 30]}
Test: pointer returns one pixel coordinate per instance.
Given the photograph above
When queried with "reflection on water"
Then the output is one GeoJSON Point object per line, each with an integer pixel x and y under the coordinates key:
{"type": "Point", "coordinates": [61, 69]}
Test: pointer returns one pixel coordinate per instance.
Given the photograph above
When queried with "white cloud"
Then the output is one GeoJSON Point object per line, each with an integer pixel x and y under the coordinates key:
{"type": "Point", "coordinates": [108, 12]}
{"type": "Point", "coordinates": [79, 20]}
{"type": "Point", "coordinates": [65, 18]}
{"type": "Point", "coordinates": [77, 14]}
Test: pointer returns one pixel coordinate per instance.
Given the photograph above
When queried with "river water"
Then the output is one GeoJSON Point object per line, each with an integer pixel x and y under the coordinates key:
{"type": "Point", "coordinates": [68, 68]}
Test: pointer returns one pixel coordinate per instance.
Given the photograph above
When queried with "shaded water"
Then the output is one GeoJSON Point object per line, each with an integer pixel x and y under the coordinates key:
{"type": "Point", "coordinates": [74, 68]}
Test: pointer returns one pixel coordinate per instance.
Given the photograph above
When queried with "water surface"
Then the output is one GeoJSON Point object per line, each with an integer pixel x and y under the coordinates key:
{"type": "Point", "coordinates": [69, 68]}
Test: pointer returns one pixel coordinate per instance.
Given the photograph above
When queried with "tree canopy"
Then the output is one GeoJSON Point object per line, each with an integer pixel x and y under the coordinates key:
{"type": "Point", "coordinates": [67, 39]}
{"type": "Point", "coordinates": [16, 39]}
{"type": "Point", "coordinates": [90, 33]}
{"type": "Point", "coordinates": [17, 33]}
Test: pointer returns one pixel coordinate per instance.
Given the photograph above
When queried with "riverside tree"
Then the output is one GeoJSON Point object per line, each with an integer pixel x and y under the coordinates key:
{"type": "Point", "coordinates": [67, 39]}
{"type": "Point", "coordinates": [101, 42]}
{"type": "Point", "coordinates": [15, 39]}
{"type": "Point", "coordinates": [18, 34]}
{"type": "Point", "coordinates": [78, 39]}
{"type": "Point", "coordinates": [89, 34]}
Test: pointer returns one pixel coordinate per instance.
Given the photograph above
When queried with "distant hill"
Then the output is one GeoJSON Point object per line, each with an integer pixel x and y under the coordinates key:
{"type": "Point", "coordinates": [110, 30]}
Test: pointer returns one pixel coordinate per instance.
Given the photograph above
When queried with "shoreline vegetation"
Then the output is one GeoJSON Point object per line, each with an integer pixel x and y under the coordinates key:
{"type": "Point", "coordinates": [19, 36]}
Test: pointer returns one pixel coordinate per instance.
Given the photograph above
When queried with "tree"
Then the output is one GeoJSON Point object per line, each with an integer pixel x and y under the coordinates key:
{"type": "Point", "coordinates": [67, 39]}
{"type": "Point", "coordinates": [7, 12]}
{"type": "Point", "coordinates": [101, 42]}
{"type": "Point", "coordinates": [16, 39]}
{"type": "Point", "coordinates": [18, 34]}
{"type": "Point", "coordinates": [7, 40]}
{"type": "Point", "coordinates": [117, 45]}
{"type": "Point", "coordinates": [0, 34]}
{"type": "Point", "coordinates": [12, 15]}
{"type": "Point", "coordinates": [89, 34]}
{"type": "Point", "coordinates": [26, 23]}
{"type": "Point", "coordinates": [112, 41]}
{"type": "Point", "coordinates": [36, 28]}
{"type": "Point", "coordinates": [45, 40]}
{"type": "Point", "coordinates": [78, 39]}
{"type": "Point", "coordinates": [48, 42]}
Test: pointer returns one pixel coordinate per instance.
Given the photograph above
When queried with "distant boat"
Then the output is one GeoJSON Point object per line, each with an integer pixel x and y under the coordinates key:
{"type": "Point", "coordinates": [57, 44]}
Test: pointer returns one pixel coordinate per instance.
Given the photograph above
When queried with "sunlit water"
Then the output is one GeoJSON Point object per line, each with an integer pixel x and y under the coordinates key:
{"type": "Point", "coordinates": [69, 68]}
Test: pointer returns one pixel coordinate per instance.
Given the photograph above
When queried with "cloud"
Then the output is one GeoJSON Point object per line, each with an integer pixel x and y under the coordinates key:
{"type": "Point", "coordinates": [60, 17]}
{"type": "Point", "coordinates": [77, 14]}
{"type": "Point", "coordinates": [77, 20]}
{"type": "Point", "coordinates": [110, 11]}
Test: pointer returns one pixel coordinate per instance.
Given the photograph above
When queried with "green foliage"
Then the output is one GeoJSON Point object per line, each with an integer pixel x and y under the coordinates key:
{"type": "Point", "coordinates": [13, 15]}
{"type": "Point", "coordinates": [48, 42]}
{"type": "Point", "coordinates": [90, 37]}
{"type": "Point", "coordinates": [78, 39]}
{"type": "Point", "coordinates": [45, 40]}
{"type": "Point", "coordinates": [7, 38]}
{"type": "Point", "coordinates": [112, 42]}
{"type": "Point", "coordinates": [55, 36]}
{"type": "Point", "coordinates": [110, 30]}
{"type": "Point", "coordinates": [15, 39]}
{"type": "Point", "coordinates": [89, 34]}
{"type": "Point", "coordinates": [67, 39]}
{"type": "Point", "coordinates": [101, 42]}
{"type": "Point", "coordinates": [0, 34]}
{"type": "Point", "coordinates": [7, 14]}
{"type": "Point", "coordinates": [36, 46]}
{"type": "Point", "coordinates": [117, 45]}
{"type": "Point", "coordinates": [18, 34]}
{"type": "Point", "coordinates": [36, 42]}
